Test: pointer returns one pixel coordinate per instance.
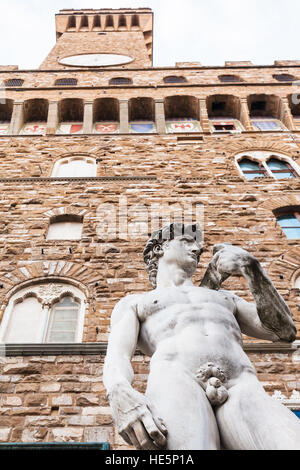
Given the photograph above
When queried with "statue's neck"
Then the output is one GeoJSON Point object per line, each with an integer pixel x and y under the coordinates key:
{"type": "Point", "coordinates": [169, 275]}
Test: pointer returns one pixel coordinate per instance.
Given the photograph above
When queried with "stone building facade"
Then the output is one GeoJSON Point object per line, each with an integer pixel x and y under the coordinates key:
{"type": "Point", "coordinates": [98, 126]}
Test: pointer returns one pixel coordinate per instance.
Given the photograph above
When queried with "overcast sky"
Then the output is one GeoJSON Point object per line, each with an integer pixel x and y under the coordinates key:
{"type": "Point", "coordinates": [209, 31]}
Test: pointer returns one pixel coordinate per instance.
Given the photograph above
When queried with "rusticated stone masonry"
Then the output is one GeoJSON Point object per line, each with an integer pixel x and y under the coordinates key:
{"type": "Point", "coordinates": [61, 397]}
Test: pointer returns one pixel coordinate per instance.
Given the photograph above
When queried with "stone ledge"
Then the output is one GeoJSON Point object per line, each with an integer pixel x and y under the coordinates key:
{"type": "Point", "coordinates": [57, 349]}
{"type": "Point", "coordinates": [74, 180]}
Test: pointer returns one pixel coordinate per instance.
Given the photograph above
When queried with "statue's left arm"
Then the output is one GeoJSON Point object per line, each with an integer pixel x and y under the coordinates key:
{"type": "Point", "coordinates": [270, 313]}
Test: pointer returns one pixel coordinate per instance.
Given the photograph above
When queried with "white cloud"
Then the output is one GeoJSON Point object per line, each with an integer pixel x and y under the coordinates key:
{"type": "Point", "coordinates": [209, 32]}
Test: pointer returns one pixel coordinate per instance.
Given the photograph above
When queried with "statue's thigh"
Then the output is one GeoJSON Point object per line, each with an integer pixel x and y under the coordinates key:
{"type": "Point", "coordinates": [251, 420]}
{"type": "Point", "coordinates": [182, 404]}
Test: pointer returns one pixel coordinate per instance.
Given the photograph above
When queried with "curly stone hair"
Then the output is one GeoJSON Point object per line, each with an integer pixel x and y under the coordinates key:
{"type": "Point", "coordinates": [152, 251]}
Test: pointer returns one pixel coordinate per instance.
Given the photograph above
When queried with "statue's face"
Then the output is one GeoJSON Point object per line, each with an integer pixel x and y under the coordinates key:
{"type": "Point", "coordinates": [183, 251]}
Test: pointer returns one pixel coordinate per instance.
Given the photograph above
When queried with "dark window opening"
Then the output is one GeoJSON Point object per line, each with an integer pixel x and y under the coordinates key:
{"type": "Point", "coordinates": [175, 79]}
{"type": "Point", "coordinates": [258, 106]}
{"type": "Point", "coordinates": [71, 109]}
{"type": "Point", "coordinates": [14, 82]}
{"type": "Point", "coordinates": [229, 78]}
{"type": "Point", "coordinates": [66, 81]}
{"type": "Point", "coordinates": [135, 21]}
{"type": "Point", "coordinates": [109, 21]}
{"type": "Point", "coordinates": [36, 110]}
{"type": "Point", "coordinates": [120, 81]}
{"type": "Point", "coordinates": [72, 22]}
{"type": "Point", "coordinates": [84, 22]}
{"type": "Point", "coordinates": [218, 106]}
{"type": "Point", "coordinates": [224, 127]}
{"type": "Point", "coordinates": [97, 23]}
{"type": "Point", "coordinates": [122, 21]}
{"type": "Point", "coordinates": [6, 110]}
{"type": "Point", "coordinates": [284, 77]}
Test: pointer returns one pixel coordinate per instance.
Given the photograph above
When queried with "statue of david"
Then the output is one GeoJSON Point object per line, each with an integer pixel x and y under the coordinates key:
{"type": "Point", "coordinates": [202, 391]}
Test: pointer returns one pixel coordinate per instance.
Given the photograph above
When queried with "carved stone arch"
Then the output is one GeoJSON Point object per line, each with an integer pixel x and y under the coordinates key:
{"type": "Point", "coordinates": [74, 154]}
{"type": "Point", "coordinates": [266, 145]}
{"type": "Point", "coordinates": [76, 274]}
{"type": "Point", "coordinates": [279, 202]}
{"type": "Point", "coordinates": [286, 265]}
{"type": "Point", "coordinates": [67, 210]}
{"type": "Point", "coordinates": [66, 293]}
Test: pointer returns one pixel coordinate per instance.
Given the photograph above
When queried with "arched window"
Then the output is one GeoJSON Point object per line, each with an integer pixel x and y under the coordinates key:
{"type": "Point", "coordinates": [258, 164]}
{"type": "Point", "coordinates": [182, 114]}
{"type": "Point", "coordinates": [75, 167]}
{"type": "Point", "coordinates": [66, 82]}
{"type": "Point", "coordinates": [120, 81]}
{"type": "Point", "coordinates": [284, 77]}
{"type": "Point", "coordinates": [70, 116]}
{"type": "Point", "coordinates": [65, 227]}
{"type": "Point", "coordinates": [175, 79]}
{"type": "Point", "coordinates": [280, 169]}
{"type": "Point", "coordinates": [251, 169]}
{"type": "Point", "coordinates": [229, 78]}
{"type": "Point", "coordinates": [290, 224]}
{"type": "Point", "coordinates": [14, 82]}
{"type": "Point", "coordinates": [51, 312]}
{"type": "Point", "coordinates": [35, 117]}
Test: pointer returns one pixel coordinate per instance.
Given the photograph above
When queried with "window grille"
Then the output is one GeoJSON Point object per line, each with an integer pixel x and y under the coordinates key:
{"type": "Point", "coordinates": [14, 82]}
{"type": "Point", "coordinates": [66, 82]}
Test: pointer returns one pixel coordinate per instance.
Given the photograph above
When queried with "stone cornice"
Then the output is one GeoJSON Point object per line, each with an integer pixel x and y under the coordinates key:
{"type": "Point", "coordinates": [55, 349]}
{"type": "Point", "coordinates": [77, 180]}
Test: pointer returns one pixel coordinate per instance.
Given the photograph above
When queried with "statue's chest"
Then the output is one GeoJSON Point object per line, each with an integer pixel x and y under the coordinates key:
{"type": "Point", "coordinates": [159, 300]}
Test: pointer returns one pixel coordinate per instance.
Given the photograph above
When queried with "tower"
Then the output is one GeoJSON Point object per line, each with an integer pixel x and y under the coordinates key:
{"type": "Point", "coordinates": [120, 38]}
{"type": "Point", "coordinates": [91, 144]}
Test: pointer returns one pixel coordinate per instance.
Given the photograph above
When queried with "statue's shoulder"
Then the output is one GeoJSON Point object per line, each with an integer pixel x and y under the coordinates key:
{"type": "Point", "coordinates": [127, 304]}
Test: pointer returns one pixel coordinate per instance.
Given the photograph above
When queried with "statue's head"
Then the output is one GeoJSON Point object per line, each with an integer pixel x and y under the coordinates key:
{"type": "Point", "coordinates": [178, 244]}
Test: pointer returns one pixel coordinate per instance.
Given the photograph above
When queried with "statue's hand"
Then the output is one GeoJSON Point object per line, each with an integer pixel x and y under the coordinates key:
{"type": "Point", "coordinates": [229, 259]}
{"type": "Point", "coordinates": [136, 424]}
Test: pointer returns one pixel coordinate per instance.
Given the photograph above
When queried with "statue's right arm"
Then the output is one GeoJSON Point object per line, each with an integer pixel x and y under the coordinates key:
{"type": "Point", "coordinates": [131, 412]}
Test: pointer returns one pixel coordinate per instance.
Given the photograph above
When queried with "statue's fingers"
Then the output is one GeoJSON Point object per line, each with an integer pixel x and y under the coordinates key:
{"type": "Point", "coordinates": [131, 435]}
{"type": "Point", "coordinates": [143, 437]}
{"type": "Point", "coordinates": [161, 425]}
{"type": "Point", "coordinates": [126, 438]}
{"type": "Point", "coordinates": [153, 429]}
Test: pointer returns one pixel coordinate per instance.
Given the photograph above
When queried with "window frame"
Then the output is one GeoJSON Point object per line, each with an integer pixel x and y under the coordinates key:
{"type": "Point", "coordinates": [290, 169]}
{"type": "Point", "coordinates": [64, 218]}
{"type": "Point", "coordinates": [61, 80]}
{"type": "Point", "coordinates": [122, 81]}
{"type": "Point", "coordinates": [236, 78]}
{"type": "Point", "coordinates": [67, 160]}
{"type": "Point", "coordinates": [170, 79]}
{"type": "Point", "coordinates": [287, 212]}
{"type": "Point", "coordinates": [66, 290]}
{"type": "Point", "coordinates": [262, 157]}
{"type": "Point", "coordinates": [261, 169]}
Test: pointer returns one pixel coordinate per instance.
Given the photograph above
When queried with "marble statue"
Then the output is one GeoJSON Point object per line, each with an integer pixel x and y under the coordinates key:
{"type": "Point", "coordinates": [202, 390]}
